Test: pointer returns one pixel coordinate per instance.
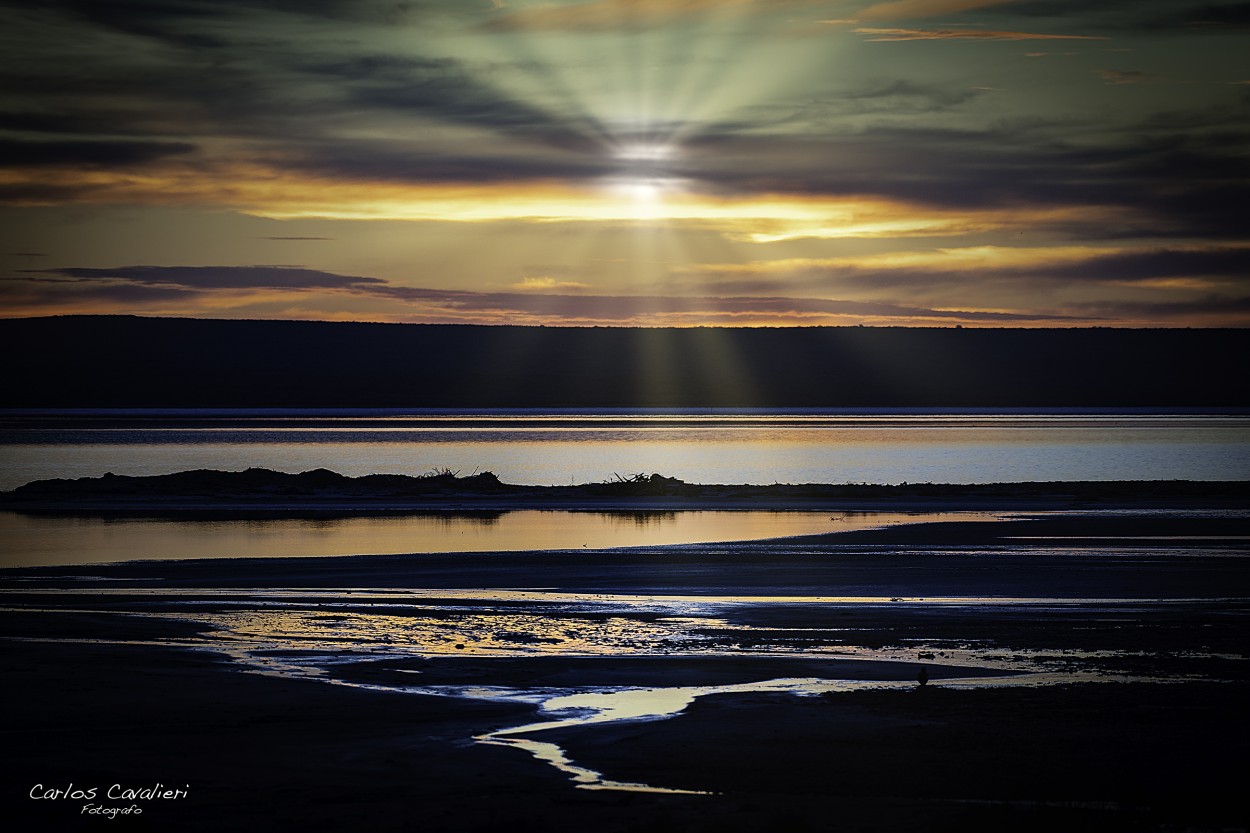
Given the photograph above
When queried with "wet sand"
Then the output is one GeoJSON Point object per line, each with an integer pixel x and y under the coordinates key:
{"type": "Point", "coordinates": [296, 693]}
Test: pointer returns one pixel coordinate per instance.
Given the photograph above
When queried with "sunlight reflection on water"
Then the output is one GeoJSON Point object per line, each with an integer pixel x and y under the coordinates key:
{"type": "Point", "coordinates": [409, 641]}
{"type": "Point", "coordinates": [37, 540]}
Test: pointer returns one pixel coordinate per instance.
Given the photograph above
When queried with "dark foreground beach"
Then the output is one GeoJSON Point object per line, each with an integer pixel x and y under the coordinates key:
{"type": "Point", "coordinates": [1086, 670]}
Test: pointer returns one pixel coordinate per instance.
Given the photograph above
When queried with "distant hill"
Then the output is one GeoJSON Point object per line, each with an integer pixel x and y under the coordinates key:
{"type": "Point", "coordinates": [125, 361]}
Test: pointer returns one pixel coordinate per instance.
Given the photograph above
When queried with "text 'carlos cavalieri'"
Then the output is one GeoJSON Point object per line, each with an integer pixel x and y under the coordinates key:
{"type": "Point", "coordinates": [115, 792]}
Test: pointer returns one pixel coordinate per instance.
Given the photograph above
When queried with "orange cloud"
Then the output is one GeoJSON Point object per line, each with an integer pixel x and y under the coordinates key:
{"type": "Point", "coordinates": [752, 218]}
{"type": "Point", "coordinates": [547, 283]}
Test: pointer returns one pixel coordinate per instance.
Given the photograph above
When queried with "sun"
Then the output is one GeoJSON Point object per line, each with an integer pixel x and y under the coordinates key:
{"type": "Point", "coordinates": [644, 177]}
{"type": "Point", "coordinates": [645, 153]}
{"type": "Point", "coordinates": [644, 195]}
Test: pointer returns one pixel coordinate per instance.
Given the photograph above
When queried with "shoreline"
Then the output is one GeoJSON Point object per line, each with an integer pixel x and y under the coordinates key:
{"type": "Point", "coordinates": [623, 506]}
{"type": "Point", "coordinates": [322, 491]}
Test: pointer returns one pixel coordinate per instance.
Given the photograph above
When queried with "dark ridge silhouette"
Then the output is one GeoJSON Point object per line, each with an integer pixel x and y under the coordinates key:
{"type": "Point", "coordinates": [258, 487]}
{"type": "Point", "coordinates": [124, 361]}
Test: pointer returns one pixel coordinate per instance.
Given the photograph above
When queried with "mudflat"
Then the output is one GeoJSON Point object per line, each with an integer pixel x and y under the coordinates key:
{"type": "Point", "coordinates": [1081, 671]}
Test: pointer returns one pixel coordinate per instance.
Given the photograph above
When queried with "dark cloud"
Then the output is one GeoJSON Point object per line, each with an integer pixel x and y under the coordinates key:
{"type": "Point", "coordinates": [153, 285]}
{"type": "Point", "coordinates": [1155, 263]}
{"type": "Point", "coordinates": [1125, 76]}
{"type": "Point", "coordinates": [118, 97]}
{"type": "Point", "coordinates": [90, 154]}
{"type": "Point", "coordinates": [38, 297]}
{"type": "Point", "coordinates": [236, 74]}
{"type": "Point", "coordinates": [1215, 16]}
{"type": "Point", "coordinates": [136, 283]}
{"type": "Point", "coordinates": [878, 35]}
{"type": "Point", "coordinates": [252, 76]}
{"type": "Point", "coordinates": [1189, 120]}
{"type": "Point", "coordinates": [625, 308]}
{"type": "Point", "coordinates": [900, 89]}
{"type": "Point", "coordinates": [1121, 17]}
{"type": "Point", "coordinates": [182, 22]}
{"type": "Point", "coordinates": [29, 121]}
{"type": "Point", "coordinates": [391, 161]}
{"type": "Point", "coordinates": [1211, 305]}
{"type": "Point", "coordinates": [1178, 183]}
{"type": "Point", "coordinates": [879, 96]}
{"type": "Point", "coordinates": [263, 86]}
{"type": "Point", "coordinates": [436, 88]}
{"type": "Point", "coordinates": [217, 277]}
{"type": "Point", "coordinates": [24, 193]}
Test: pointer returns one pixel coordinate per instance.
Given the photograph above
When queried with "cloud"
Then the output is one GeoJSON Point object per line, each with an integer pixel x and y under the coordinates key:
{"type": "Point", "coordinates": [361, 110]}
{"type": "Point", "coordinates": [1147, 264]}
{"type": "Point", "coordinates": [210, 289]}
{"type": "Point", "coordinates": [1120, 76]}
{"type": "Point", "coordinates": [1157, 18]}
{"type": "Point", "coordinates": [892, 96]}
{"type": "Point", "coordinates": [801, 172]}
{"type": "Point", "coordinates": [1222, 15]}
{"type": "Point", "coordinates": [27, 297]}
{"type": "Point", "coordinates": [626, 15]}
{"type": "Point", "coordinates": [1167, 268]}
{"type": "Point", "coordinates": [444, 88]}
{"type": "Point", "coordinates": [634, 309]}
{"type": "Point", "coordinates": [546, 283]}
{"type": "Point", "coordinates": [976, 272]}
{"type": "Point", "coordinates": [912, 9]}
{"type": "Point", "coordinates": [1021, 278]}
{"type": "Point", "coordinates": [1217, 310]}
{"type": "Point", "coordinates": [190, 24]}
{"type": "Point", "coordinates": [888, 35]}
{"type": "Point", "coordinates": [91, 154]}
{"type": "Point", "coordinates": [1149, 285]}
{"type": "Point", "coordinates": [214, 277]}
{"type": "Point", "coordinates": [296, 238]}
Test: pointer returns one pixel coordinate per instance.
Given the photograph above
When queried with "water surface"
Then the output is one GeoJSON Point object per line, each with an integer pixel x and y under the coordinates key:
{"type": "Point", "coordinates": [39, 540]}
{"type": "Point", "coordinates": [536, 448]}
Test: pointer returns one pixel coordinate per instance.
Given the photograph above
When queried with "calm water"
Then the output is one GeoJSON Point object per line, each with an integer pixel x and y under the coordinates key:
{"type": "Point", "coordinates": [37, 540]}
{"type": "Point", "coordinates": [551, 448]}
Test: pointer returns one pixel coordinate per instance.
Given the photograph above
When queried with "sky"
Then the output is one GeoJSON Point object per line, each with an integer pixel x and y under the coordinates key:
{"type": "Point", "coordinates": [1047, 163]}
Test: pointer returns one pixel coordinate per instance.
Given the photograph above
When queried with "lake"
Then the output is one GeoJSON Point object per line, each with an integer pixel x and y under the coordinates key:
{"type": "Point", "coordinates": [48, 540]}
{"type": "Point", "coordinates": [546, 448]}
{"type": "Point", "coordinates": [556, 447]}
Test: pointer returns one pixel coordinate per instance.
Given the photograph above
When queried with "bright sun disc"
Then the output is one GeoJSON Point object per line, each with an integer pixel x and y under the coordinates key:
{"type": "Point", "coordinates": [644, 153]}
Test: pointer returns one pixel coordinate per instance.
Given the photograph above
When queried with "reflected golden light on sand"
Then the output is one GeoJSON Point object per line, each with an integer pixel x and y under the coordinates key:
{"type": "Point", "coordinates": [454, 631]}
